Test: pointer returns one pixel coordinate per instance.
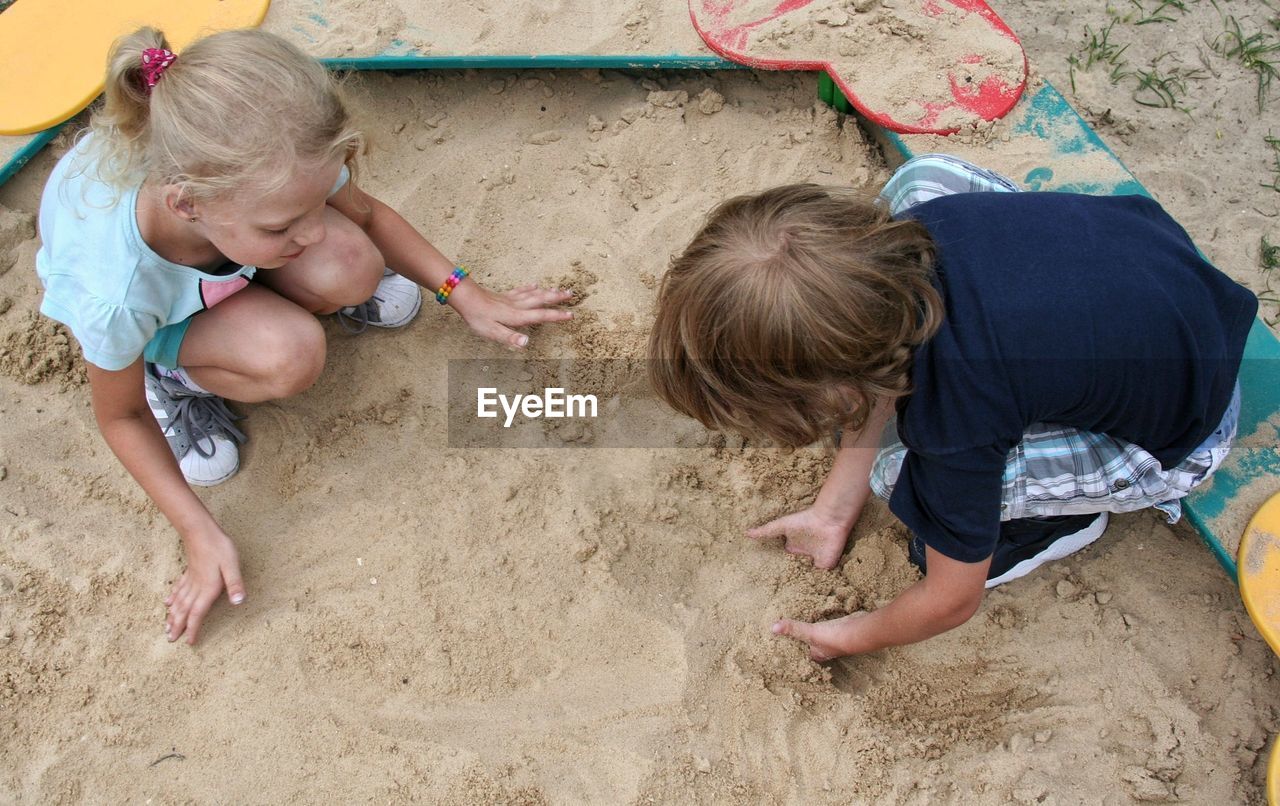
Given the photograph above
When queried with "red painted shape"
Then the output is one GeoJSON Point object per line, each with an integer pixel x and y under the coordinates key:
{"type": "Point", "coordinates": [988, 100]}
{"type": "Point", "coordinates": [736, 36]}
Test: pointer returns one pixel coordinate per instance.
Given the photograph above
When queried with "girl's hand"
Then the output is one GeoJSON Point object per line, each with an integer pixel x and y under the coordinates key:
{"type": "Point", "coordinates": [496, 316]}
{"type": "Point", "coordinates": [809, 533]}
{"type": "Point", "coordinates": [212, 562]}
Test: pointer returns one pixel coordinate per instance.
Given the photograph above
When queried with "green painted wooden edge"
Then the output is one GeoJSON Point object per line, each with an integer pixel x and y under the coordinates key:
{"type": "Point", "coordinates": [666, 61]}
{"type": "Point", "coordinates": [23, 155]}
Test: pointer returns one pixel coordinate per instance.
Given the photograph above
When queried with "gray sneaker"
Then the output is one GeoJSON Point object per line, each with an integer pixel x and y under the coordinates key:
{"type": "Point", "coordinates": [200, 429]}
{"type": "Point", "coordinates": [394, 304]}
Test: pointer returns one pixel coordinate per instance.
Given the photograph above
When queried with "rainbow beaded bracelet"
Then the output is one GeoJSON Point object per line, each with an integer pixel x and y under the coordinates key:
{"type": "Point", "coordinates": [442, 293]}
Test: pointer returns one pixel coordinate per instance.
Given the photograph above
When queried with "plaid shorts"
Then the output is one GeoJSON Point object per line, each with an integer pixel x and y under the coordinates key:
{"type": "Point", "coordinates": [1055, 470]}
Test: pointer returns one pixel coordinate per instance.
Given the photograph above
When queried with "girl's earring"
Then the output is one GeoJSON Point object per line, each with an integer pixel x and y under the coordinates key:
{"type": "Point", "coordinates": [192, 219]}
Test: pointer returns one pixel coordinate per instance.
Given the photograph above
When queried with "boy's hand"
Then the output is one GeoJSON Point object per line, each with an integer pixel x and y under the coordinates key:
{"type": "Point", "coordinates": [826, 639]}
{"type": "Point", "coordinates": [212, 562]}
{"type": "Point", "coordinates": [946, 598]}
{"type": "Point", "coordinates": [496, 316]}
{"type": "Point", "coordinates": [808, 533]}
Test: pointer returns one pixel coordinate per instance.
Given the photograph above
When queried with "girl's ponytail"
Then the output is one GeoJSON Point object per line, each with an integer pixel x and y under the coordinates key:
{"type": "Point", "coordinates": [240, 110]}
{"type": "Point", "coordinates": [122, 125]}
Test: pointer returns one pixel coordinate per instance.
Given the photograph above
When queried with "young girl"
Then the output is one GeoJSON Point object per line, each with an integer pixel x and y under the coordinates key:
{"type": "Point", "coordinates": [1048, 358]}
{"type": "Point", "coordinates": [190, 240]}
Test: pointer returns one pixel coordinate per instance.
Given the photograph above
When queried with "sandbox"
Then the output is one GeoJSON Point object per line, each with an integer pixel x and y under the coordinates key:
{"type": "Point", "coordinates": [579, 625]}
{"type": "Point", "coordinates": [574, 625]}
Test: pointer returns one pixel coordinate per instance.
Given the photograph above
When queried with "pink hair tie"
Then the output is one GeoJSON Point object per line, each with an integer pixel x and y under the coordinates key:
{"type": "Point", "coordinates": [154, 62]}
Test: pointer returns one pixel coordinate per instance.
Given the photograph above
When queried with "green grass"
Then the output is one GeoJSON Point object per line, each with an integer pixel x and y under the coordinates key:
{"type": "Point", "coordinates": [1269, 256]}
{"type": "Point", "coordinates": [1259, 53]}
{"type": "Point", "coordinates": [1098, 49]}
{"type": "Point", "coordinates": [1164, 90]}
{"type": "Point", "coordinates": [1160, 13]}
{"type": "Point", "coordinates": [1155, 87]}
{"type": "Point", "coordinates": [1274, 142]}
{"type": "Point", "coordinates": [1269, 259]}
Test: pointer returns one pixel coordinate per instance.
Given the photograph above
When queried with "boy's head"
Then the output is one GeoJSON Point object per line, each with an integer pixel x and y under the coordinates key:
{"type": "Point", "coordinates": [791, 311]}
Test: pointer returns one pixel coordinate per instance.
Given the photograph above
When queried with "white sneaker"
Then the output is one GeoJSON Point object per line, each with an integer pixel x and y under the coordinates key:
{"type": "Point", "coordinates": [1028, 543]}
{"type": "Point", "coordinates": [394, 304]}
{"type": "Point", "coordinates": [199, 427]}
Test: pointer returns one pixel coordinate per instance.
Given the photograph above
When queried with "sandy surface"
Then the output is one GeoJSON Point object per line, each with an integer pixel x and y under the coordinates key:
{"type": "Point", "coordinates": [943, 44]}
{"type": "Point", "coordinates": [470, 27]}
{"type": "Point", "coordinates": [588, 625]}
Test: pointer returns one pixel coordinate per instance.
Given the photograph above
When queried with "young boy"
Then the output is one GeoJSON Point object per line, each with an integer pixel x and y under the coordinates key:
{"type": "Point", "coordinates": [1007, 368]}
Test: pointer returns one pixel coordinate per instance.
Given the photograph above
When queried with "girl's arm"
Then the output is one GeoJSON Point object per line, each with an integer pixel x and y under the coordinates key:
{"type": "Point", "coordinates": [821, 531]}
{"type": "Point", "coordinates": [493, 316]}
{"type": "Point", "coordinates": [125, 420]}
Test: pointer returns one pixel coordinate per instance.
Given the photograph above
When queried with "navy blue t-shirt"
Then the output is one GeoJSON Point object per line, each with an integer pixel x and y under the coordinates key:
{"type": "Point", "coordinates": [1087, 311]}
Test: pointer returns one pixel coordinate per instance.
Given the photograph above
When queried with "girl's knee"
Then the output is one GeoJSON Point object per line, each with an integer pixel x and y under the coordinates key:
{"type": "Point", "coordinates": [292, 356]}
{"type": "Point", "coordinates": [350, 270]}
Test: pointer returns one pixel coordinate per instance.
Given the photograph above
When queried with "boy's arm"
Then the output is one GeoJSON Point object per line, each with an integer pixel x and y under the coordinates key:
{"type": "Point", "coordinates": [407, 252]}
{"type": "Point", "coordinates": [821, 531]}
{"type": "Point", "coordinates": [848, 486]}
{"type": "Point", "coordinates": [132, 433]}
{"type": "Point", "coordinates": [946, 598]}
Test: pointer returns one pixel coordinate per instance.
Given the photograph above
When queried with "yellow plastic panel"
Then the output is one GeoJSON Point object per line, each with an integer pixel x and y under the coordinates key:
{"type": "Point", "coordinates": [53, 53]}
{"type": "Point", "coordinates": [1259, 564]}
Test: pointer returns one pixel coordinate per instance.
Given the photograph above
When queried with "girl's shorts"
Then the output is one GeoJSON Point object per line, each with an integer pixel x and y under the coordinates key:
{"type": "Point", "coordinates": [164, 345]}
{"type": "Point", "coordinates": [1057, 470]}
{"type": "Point", "coordinates": [167, 341]}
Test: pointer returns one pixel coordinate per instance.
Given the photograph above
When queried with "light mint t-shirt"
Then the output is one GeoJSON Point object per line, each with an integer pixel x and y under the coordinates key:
{"type": "Point", "coordinates": [101, 279]}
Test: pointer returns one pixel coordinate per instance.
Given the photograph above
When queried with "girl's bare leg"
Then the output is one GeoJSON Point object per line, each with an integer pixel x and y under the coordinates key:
{"type": "Point", "coordinates": [254, 346]}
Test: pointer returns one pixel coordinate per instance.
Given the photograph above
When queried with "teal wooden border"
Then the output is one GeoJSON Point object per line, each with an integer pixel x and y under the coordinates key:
{"type": "Point", "coordinates": [23, 155]}
{"type": "Point", "coordinates": [1047, 116]}
{"type": "Point", "coordinates": [667, 61]}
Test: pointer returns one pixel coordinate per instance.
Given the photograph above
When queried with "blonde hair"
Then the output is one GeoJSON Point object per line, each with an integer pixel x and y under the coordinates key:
{"type": "Point", "coordinates": [791, 312]}
{"type": "Point", "coordinates": [237, 109]}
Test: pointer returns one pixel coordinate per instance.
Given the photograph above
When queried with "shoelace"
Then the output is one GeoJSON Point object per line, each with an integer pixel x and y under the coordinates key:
{"type": "Point", "coordinates": [356, 319]}
{"type": "Point", "coordinates": [201, 416]}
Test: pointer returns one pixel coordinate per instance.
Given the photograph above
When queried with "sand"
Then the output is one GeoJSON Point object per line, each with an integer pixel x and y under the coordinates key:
{"type": "Point", "coordinates": [943, 44]}
{"type": "Point", "coordinates": [587, 625]}
{"type": "Point", "coordinates": [478, 27]}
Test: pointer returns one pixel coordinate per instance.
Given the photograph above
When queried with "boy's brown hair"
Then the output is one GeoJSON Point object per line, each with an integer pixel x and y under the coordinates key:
{"type": "Point", "coordinates": [791, 312]}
